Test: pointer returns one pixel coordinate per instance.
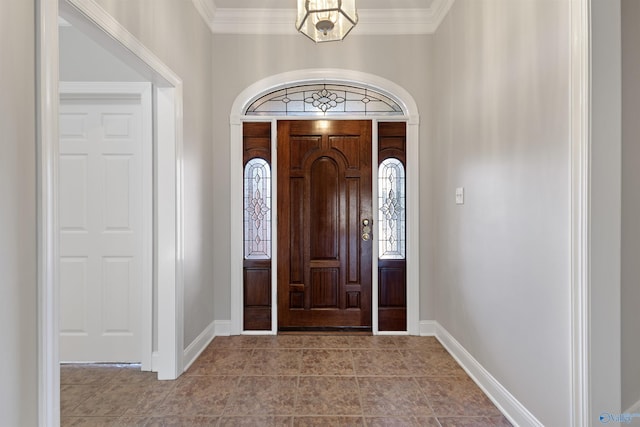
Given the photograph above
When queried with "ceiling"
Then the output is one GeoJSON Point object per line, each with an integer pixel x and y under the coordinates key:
{"type": "Point", "coordinates": [386, 17]}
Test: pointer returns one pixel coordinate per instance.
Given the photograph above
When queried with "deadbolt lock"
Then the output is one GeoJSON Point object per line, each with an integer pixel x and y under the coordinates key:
{"type": "Point", "coordinates": [366, 229]}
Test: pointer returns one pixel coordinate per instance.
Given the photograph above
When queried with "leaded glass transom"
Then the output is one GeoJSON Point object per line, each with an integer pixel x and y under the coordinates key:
{"type": "Point", "coordinates": [257, 209]}
{"type": "Point", "coordinates": [391, 199]}
{"type": "Point", "coordinates": [324, 100]}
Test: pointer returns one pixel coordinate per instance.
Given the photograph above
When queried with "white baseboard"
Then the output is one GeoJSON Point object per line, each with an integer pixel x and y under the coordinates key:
{"type": "Point", "coordinates": [515, 411]}
{"type": "Point", "coordinates": [427, 328]}
{"type": "Point", "coordinates": [198, 345]}
{"type": "Point", "coordinates": [155, 361]}
{"type": "Point", "coordinates": [222, 328]}
{"type": "Point", "coordinates": [258, 333]}
{"type": "Point", "coordinates": [633, 409]}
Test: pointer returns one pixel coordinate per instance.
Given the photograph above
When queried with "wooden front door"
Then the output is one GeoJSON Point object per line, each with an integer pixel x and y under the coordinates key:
{"type": "Point", "coordinates": [324, 224]}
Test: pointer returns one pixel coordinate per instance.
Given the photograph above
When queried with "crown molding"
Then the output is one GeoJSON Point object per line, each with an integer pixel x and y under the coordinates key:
{"type": "Point", "coordinates": [282, 21]}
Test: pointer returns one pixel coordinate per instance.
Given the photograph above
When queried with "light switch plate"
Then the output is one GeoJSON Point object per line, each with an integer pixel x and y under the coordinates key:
{"type": "Point", "coordinates": [460, 196]}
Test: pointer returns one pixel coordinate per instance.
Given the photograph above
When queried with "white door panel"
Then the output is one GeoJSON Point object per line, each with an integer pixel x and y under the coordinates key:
{"type": "Point", "coordinates": [101, 230]}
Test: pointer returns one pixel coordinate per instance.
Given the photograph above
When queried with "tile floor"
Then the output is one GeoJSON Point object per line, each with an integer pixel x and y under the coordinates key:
{"type": "Point", "coordinates": [288, 380]}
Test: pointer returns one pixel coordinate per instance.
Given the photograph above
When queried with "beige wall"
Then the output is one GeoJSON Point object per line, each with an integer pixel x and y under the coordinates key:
{"type": "Point", "coordinates": [18, 353]}
{"type": "Point", "coordinates": [630, 203]}
{"type": "Point", "coordinates": [175, 32]}
{"type": "Point", "coordinates": [239, 61]}
{"type": "Point", "coordinates": [82, 59]}
{"type": "Point", "coordinates": [502, 260]}
{"type": "Point", "coordinates": [605, 209]}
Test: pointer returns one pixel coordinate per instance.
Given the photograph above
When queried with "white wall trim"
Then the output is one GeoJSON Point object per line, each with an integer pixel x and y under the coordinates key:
{"type": "Point", "coordinates": [198, 345]}
{"type": "Point", "coordinates": [155, 361]}
{"type": "Point", "coordinates": [222, 328]}
{"type": "Point", "coordinates": [580, 102]}
{"type": "Point", "coordinates": [633, 409]}
{"type": "Point", "coordinates": [515, 411]}
{"type": "Point", "coordinates": [47, 208]}
{"type": "Point", "coordinates": [282, 21]}
{"type": "Point", "coordinates": [428, 328]}
{"type": "Point", "coordinates": [292, 78]}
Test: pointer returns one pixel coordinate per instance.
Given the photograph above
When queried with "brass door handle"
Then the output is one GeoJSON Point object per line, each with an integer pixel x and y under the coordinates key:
{"type": "Point", "coordinates": [366, 229]}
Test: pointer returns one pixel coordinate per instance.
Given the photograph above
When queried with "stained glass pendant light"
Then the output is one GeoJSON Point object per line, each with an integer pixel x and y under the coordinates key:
{"type": "Point", "coordinates": [326, 20]}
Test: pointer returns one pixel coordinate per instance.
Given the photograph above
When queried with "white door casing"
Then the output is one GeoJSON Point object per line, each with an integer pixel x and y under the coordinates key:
{"type": "Point", "coordinates": [106, 219]}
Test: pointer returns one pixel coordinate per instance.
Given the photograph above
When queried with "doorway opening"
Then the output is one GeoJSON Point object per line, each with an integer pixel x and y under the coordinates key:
{"type": "Point", "coordinates": [94, 22]}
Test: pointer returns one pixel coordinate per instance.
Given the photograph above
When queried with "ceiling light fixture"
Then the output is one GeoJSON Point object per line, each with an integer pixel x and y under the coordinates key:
{"type": "Point", "coordinates": [326, 20]}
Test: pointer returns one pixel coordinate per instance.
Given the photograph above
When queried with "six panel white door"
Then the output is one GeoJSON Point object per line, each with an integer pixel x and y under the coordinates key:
{"type": "Point", "coordinates": [101, 238]}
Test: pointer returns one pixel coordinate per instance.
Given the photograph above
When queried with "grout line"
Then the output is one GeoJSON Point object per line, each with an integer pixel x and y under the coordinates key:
{"type": "Point", "coordinates": [355, 372]}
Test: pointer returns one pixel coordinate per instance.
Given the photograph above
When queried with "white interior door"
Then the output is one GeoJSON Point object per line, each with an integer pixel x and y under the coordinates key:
{"type": "Point", "coordinates": [105, 208]}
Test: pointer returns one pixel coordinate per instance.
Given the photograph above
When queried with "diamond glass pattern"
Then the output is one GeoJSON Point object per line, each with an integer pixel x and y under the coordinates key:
{"type": "Point", "coordinates": [257, 209]}
{"type": "Point", "coordinates": [391, 199]}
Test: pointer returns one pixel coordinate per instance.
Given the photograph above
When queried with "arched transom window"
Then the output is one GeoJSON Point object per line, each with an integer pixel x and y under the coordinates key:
{"type": "Point", "coordinates": [324, 100]}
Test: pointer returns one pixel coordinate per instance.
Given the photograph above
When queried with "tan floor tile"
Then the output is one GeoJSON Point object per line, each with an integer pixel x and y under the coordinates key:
{"type": "Point", "coordinates": [235, 341]}
{"type": "Point", "coordinates": [474, 422]}
{"type": "Point", "coordinates": [148, 402]}
{"type": "Point", "coordinates": [111, 400]}
{"type": "Point", "coordinates": [179, 421]}
{"type": "Point", "coordinates": [134, 375]}
{"type": "Point", "coordinates": [328, 421]}
{"type": "Point", "coordinates": [327, 342]}
{"type": "Point", "coordinates": [135, 421]}
{"type": "Point", "coordinates": [327, 362]}
{"type": "Point", "coordinates": [456, 396]}
{"type": "Point", "coordinates": [377, 341]}
{"type": "Point", "coordinates": [428, 422]}
{"type": "Point", "coordinates": [274, 362]}
{"type": "Point", "coordinates": [256, 422]}
{"type": "Point", "coordinates": [72, 395]}
{"type": "Point", "coordinates": [282, 341]}
{"type": "Point", "coordinates": [89, 422]}
{"type": "Point", "coordinates": [436, 363]}
{"type": "Point", "coordinates": [89, 374]}
{"type": "Point", "coordinates": [263, 396]}
{"type": "Point", "coordinates": [383, 396]}
{"type": "Point", "coordinates": [424, 343]}
{"type": "Point", "coordinates": [286, 380]}
{"type": "Point", "coordinates": [328, 396]}
{"type": "Point", "coordinates": [402, 422]}
{"type": "Point", "coordinates": [221, 361]}
{"type": "Point", "coordinates": [379, 362]}
{"type": "Point", "coordinates": [204, 396]}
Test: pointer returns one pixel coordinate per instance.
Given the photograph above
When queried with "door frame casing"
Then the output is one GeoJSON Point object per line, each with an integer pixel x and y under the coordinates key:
{"type": "Point", "coordinates": [324, 76]}
{"type": "Point", "coordinates": [138, 91]}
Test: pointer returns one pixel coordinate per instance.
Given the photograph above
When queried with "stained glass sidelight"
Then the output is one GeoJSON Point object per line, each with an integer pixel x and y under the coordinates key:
{"type": "Point", "coordinates": [391, 199]}
{"type": "Point", "coordinates": [257, 209]}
